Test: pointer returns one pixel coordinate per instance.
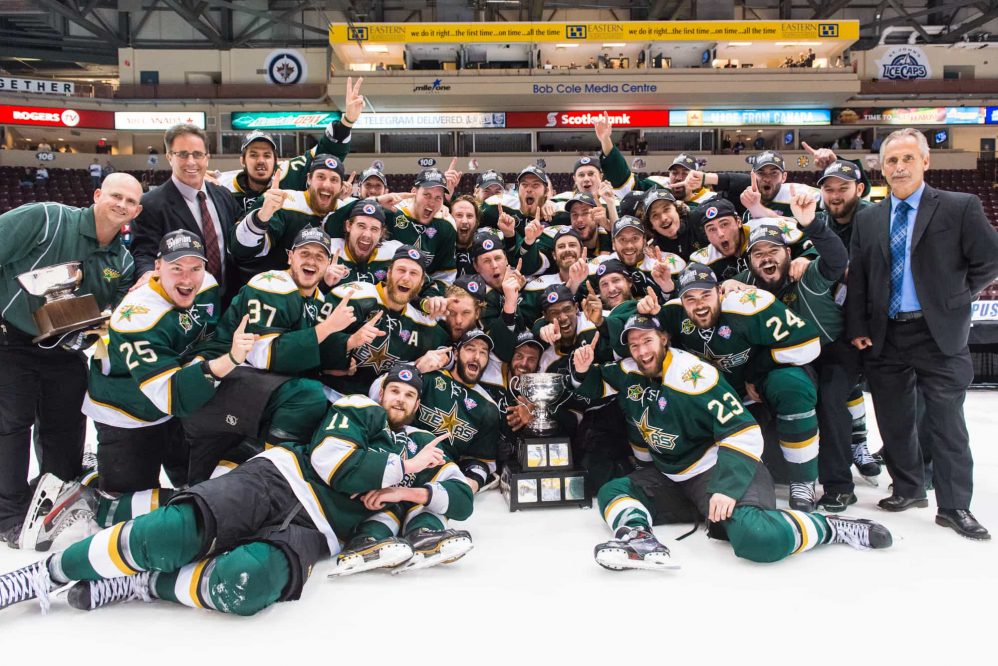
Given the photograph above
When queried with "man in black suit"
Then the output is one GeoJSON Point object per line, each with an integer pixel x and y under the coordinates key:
{"type": "Point", "coordinates": [918, 259]}
{"type": "Point", "coordinates": [185, 202]}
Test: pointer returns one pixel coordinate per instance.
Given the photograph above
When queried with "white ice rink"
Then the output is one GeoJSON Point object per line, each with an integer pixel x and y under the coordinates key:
{"type": "Point", "coordinates": [530, 593]}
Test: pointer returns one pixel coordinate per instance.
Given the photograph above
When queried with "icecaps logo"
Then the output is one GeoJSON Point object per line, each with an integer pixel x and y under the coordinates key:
{"type": "Point", "coordinates": [711, 212]}
{"type": "Point", "coordinates": [904, 63]}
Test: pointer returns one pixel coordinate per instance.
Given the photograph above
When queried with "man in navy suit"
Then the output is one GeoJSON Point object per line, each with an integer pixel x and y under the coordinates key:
{"type": "Point", "coordinates": [187, 201]}
{"type": "Point", "coordinates": [918, 259]}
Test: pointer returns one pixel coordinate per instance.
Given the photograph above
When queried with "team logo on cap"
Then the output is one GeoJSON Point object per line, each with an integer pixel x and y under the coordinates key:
{"type": "Point", "coordinates": [473, 287]}
{"type": "Point", "coordinates": [585, 160]}
{"type": "Point", "coordinates": [711, 212]}
{"type": "Point", "coordinates": [405, 375]}
{"type": "Point", "coordinates": [687, 277]}
{"type": "Point", "coordinates": [488, 244]}
{"type": "Point", "coordinates": [414, 255]}
{"type": "Point", "coordinates": [331, 163]}
{"type": "Point", "coordinates": [601, 269]}
{"type": "Point", "coordinates": [552, 297]}
{"type": "Point", "coordinates": [369, 209]}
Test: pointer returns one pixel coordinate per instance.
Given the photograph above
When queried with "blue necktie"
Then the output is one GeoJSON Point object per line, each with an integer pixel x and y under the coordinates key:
{"type": "Point", "coordinates": [899, 234]}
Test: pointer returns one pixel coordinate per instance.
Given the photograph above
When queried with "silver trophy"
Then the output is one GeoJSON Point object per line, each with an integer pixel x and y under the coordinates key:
{"type": "Point", "coordinates": [542, 389]}
{"type": "Point", "coordinates": [62, 312]}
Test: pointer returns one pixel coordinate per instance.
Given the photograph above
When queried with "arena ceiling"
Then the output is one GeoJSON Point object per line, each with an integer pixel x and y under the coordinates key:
{"type": "Point", "coordinates": [60, 36]}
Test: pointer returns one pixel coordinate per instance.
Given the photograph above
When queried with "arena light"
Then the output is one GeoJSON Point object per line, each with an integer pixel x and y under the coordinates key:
{"type": "Point", "coordinates": [609, 45]}
{"type": "Point", "coordinates": [798, 43]}
{"type": "Point", "coordinates": [375, 48]}
{"type": "Point", "coordinates": [566, 46]}
{"type": "Point", "coordinates": [739, 43]}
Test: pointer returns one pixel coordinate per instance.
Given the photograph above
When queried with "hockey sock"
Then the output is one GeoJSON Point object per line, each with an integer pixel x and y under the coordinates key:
{"type": "Point", "coordinates": [163, 540]}
{"type": "Point", "coordinates": [113, 510]}
{"type": "Point", "coordinates": [417, 517]}
{"type": "Point", "coordinates": [242, 581]}
{"type": "Point", "coordinates": [381, 525]}
{"type": "Point", "coordinates": [793, 397]}
{"type": "Point", "coordinates": [623, 504]}
{"type": "Point", "coordinates": [857, 410]}
{"type": "Point", "coordinates": [768, 535]}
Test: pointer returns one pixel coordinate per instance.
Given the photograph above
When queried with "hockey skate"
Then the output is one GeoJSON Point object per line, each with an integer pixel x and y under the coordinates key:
{"type": "Point", "coordinates": [634, 548]}
{"type": "Point", "coordinates": [433, 547]}
{"type": "Point", "coordinates": [866, 464]}
{"type": "Point", "coordinates": [802, 496]}
{"type": "Point", "coordinates": [92, 594]}
{"type": "Point", "coordinates": [55, 506]}
{"type": "Point", "coordinates": [26, 583]}
{"type": "Point", "coordinates": [859, 533]}
{"type": "Point", "coordinates": [366, 553]}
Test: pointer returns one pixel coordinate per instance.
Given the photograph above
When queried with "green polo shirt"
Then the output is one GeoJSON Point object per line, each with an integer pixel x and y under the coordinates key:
{"type": "Point", "coordinates": [38, 235]}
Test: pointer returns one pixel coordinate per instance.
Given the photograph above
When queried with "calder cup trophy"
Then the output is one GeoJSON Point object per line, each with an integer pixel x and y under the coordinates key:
{"type": "Point", "coordinates": [541, 389]}
{"type": "Point", "coordinates": [62, 312]}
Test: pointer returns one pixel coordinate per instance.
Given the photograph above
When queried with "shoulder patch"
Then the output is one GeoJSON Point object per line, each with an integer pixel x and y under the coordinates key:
{"type": "Point", "coordinates": [418, 317]}
{"type": "Point", "coordinates": [630, 365]}
{"type": "Point", "coordinates": [357, 290]}
{"type": "Point", "coordinates": [273, 282]}
{"type": "Point", "coordinates": [747, 302]}
{"type": "Point", "coordinates": [688, 374]}
{"type": "Point", "coordinates": [701, 256]}
{"type": "Point", "coordinates": [355, 400]}
{"type": "Point", "coordinates": [297, 203]}
{"type": "Point", "coordinates": [139, 311]}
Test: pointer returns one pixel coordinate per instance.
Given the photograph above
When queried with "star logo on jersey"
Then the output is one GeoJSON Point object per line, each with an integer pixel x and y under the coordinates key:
{"type": "Point", "coordinates": [750, 296]}
{"type": "Point", "coordinates": [449, 423]}
{"type": "Point", "coordinates": [401, 222]}
{"type": "Point", "coordinates": [440, 384]}
{"type": "Point", "coordinates": [654, 437]}
{"type": "Point", "coordinates": [727, 362]}
{"type": "Point", "coordinates": [129, 310]}
{"type": "Point", "coordinates": [635, 393]}
{"type": "Point", "coordinates": [110, 274]}
{"type": "Point", "coordinates": [268, 276]}
{"type": "Point", "coordinates": [784, 227]}
{"type": "Point", "coordinates": [694, 374]}
{"type": "Point", "coordinates": [687, 327]}
{"type": "Point", "coordinates": [671, 259]}
{"type": "Point", "coordinates": [185, 322]}
{"type": "Point", "coordinates": [376, 356]}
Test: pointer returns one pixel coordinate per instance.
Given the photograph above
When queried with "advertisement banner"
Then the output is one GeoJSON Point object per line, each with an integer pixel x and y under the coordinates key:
{"type": "Point", "coordinates": [16, 85]}
{"type": "Point", "coordinates": [50, 116]}
{"type": "Point", "coordinates": [941, 115]}
{"type": "Point", "coordinates": [991, 118]}
{"type": "Point", "coordinates": [740, 117]}
{"type": "Point", "coordinates": [318, 120]}
{"type": "Point", "coordinates": [543, 119]}
{"type": "Point", "coordinates": [634, 31]}
{"type": "Point", "coordinates": [156, 120]}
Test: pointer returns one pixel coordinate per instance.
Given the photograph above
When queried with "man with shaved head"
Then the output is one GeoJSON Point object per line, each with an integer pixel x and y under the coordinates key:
{"type": "Point", "coordinates": [45, 380]}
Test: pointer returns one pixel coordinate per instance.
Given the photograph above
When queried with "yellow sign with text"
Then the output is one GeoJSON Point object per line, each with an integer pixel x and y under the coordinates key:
{"type": "Point", "coordinates": [634, 31]}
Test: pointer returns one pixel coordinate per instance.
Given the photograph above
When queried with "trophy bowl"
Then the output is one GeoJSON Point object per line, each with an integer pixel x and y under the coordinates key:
{"type": "Point", "coordinates": [55, 283]}
{"type": "Point", "coordinates": [542, 389]}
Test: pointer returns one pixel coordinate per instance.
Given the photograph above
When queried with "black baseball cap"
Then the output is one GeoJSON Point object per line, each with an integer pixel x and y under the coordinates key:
{"type": "Point", "coordinates": [475, 334]}
{"type": "Point", "coordinates": [490, 178]}
{"type": "Point", "coordinates": [323, 161]}
{"type": "Point", "coordinates": [612, 266]}
{"type": "Point", "coordinates": [712, 210]}
{"type": "Point", "coordinates": [631, 201]}
{"type": "Point", "coordinates": [527, 337]}
{"type": "Point", "coordinates": [658, 194]}
{"type": "Point", "coordinates": [638, 322]}
{"type": "Point", "coordinates": [842, 169]}
{"type": "Point", "coordinates": [412, 254]}
{"type": "Point", "coordinates": [179, 244]}
{"type": "Point", "coordinates": [696, 276]}
{"type": "Point", "coordinates": [533, 170]}
{"type": "Point", "coordinates": [766, 158]}
{"type": "Point", "coordinates": [405, 373]}
{"type": "Point", "coordinates": [369, 208]}
{"type": "Point", "coordinates": [587, 161]}
{"type": "Point", "coordinates": [627, 222]}
{"type": "Point", "coordinates": [483, 242]}
{"type": "Point", "coordinates": [580, 197]}
{"type": "Point", "coordinates": [257, 135]}
{"type": "Point", "coordinates": [686, 161]}
{"type": "Point", "coordinates": [432, 178]}
{"type": "Point", "coordinates": [473, 284]}
{"type": "Point", "coordinates": [766, 233]}
{"type": "Point", "coordinates": [556, 293]}
{"type": "Point", "coordinates": [565, 230]}
{"type": "Point", "coordinates": [313, 235]}
{"type": "Point", "coordinates": [371, 172]}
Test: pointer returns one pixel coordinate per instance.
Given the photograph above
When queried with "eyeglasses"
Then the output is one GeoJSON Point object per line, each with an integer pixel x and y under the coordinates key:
{"type": "Point", "coordinates": [183, 155]}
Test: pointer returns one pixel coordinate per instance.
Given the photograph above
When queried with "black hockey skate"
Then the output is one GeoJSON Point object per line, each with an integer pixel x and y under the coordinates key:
{"type": "Point", "coordinates": [634, 548]}
{"type": "Point", "coordinates": [366, 553]}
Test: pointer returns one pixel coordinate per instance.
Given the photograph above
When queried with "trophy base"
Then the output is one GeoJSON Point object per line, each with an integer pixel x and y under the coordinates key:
{"type": "Point", "coordinates": [532, 490]}
{"type": "Point", "coordinates": [70, 314]}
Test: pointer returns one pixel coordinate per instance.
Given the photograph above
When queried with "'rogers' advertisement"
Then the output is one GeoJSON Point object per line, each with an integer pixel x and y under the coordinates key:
{"type": "Point", "coordinates": [47, 116]}
{"type": "Point", "coordinates": [574, 119]}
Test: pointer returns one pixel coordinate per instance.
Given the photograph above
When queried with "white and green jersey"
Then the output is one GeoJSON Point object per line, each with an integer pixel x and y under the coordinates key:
{"type": "Point", "coordinates": [686, 422]}
{"type": "Point", "coordinates": [728, 267]}
{"type": "Point", "coordinates": [781, 202]}
{"type": "Point", "coordinates": [152, 368]}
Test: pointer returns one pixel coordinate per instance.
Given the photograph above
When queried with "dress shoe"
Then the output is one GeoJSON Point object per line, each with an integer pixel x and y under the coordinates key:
{"type": "Point", "coordinates": [964, 523]}
{"type": "Point", "coordinates": [898, 503]}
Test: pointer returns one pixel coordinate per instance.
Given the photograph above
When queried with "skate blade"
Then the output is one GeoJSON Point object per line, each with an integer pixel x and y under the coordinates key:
{"type": "Point", "coordinates": [450, 551]}
{"type": "Point", "coordinates": [616, 559]}
{"type": "Point", "coordinates": [388, 556]}
{"type": "Point", "coordinates": [42, 504]}
{"type": "Point", "coordinates": [873, 481]}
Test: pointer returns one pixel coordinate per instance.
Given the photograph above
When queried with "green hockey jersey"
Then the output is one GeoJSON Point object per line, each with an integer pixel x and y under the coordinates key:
{"type": "Point", "coordinates": [151, 371]}
{"type": "Point", "coordinates": [372, 271]}
{"type": "Point", "coordinates": [438, 239]}
{"type": "Point", "coordinates": [686, 422]}
{"type": "Point", "coordinates": [728, 267]}
{"type": "Point", "coordinates": [755, 333]}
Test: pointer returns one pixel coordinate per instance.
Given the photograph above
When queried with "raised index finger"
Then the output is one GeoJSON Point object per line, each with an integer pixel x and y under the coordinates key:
{"type": "Point", "coordinates": [807, 147]}
{"type": "Point", "coordinates": [592, 343]}
{"type": "Point", "coordinates": [242, 324]}
{"type": "Point", "coordinates": [374, 320]}
{"type": "Point", "coordinates": [453, 163]}
{"type": "Point", "coordinates": [755, 182]}
{"type": "Point", "coordinates": [275, 182]}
